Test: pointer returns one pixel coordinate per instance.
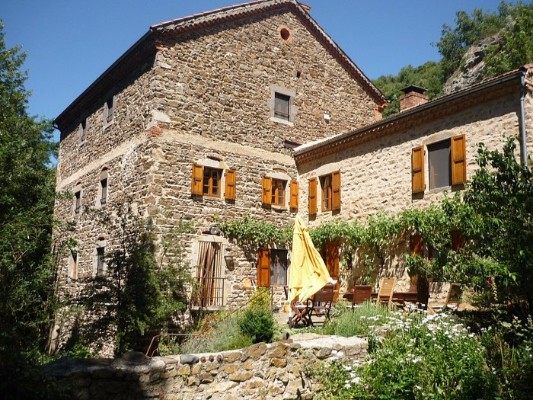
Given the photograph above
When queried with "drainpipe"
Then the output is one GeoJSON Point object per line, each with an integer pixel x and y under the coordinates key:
{"type": "Point", "coordinates": [522, 120]}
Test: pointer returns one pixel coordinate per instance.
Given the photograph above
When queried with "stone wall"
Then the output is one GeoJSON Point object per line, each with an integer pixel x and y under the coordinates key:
{"type": "Point", "coordinates": [261, 371]}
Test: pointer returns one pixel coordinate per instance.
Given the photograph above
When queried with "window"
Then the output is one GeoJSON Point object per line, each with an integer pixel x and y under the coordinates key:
{"type": "Point", "coordinates": [439, 164]}
{"type": "Point", "coordinates": [272, 267]}
{"type": "Point", "coordinates": [82, 130]}
{"type": "Point", "coordinates": [446, 164]}
{"type": "Point", "coordinates": [109, 110]}
{"type": "Point", "coordinates": [282, 106]}
{"type": "Point", "coordinates": [207, 181]}
{"type": "Point", "coordinates": [100, 261]}
{"type": "Point", "coordinates": [77, 202]}
{"type": "Point", "coordinates": [211, 182]}
{"type": "Point", "coordinates": [103, 190]}
{"type": "Point", "coordinates": [330, 190]}
{"type": "Point", "coordinates": [275, 191]}
{"type": "Point", "coordinates": [73, 264]}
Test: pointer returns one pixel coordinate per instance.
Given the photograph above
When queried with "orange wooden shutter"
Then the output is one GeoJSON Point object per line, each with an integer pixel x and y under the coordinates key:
{"type": "Point", "coordinates": [336, 190]}
{"type": "Point", "coordinates": [418, 170]}
{"type": "Point", "coordinates": [263, 267]}
{"type": "Point", "coordinates": [197, 179]}
{"type": "Point", "coordinates": [313, 184]}
{"type": "Point", "coordinates": [231, 179]}
{"type": "Point", "coordinates": [458, 160]}
{"type": "Point", "coordinates": [415, 245]}
{"type": "Point", "coordinates": [294, 194]}
{"type": "Point", "coordinates": [267, 190]}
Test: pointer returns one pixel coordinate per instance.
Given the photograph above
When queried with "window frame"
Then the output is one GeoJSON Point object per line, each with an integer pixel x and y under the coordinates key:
{"type": "Point", "coordinates": [100, 260]}
{"type": "Point", "coordinates": [82, 131]}
{"type": "Point", "coordinates": [279, 93]}
{"type": "Point", "coordinates": [209, 171]}
{"type": "Point", "coordinates": [279, 193]}
{"type": "Point", "coordinates": [77, 206]}
{"type": "Point", "coordinates": [436, 171]}
{"type": "Point", "coordinates": [108, 114]}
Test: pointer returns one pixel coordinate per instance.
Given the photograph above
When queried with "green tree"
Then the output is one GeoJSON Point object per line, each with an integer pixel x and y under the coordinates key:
{"type": "Point", "coordinates": [500, 198]}
{"type": "Point", "coordinates": [26, 209]}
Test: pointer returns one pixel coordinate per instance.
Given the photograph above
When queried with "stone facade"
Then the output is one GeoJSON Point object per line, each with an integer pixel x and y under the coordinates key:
{"type": "Point", "coordinates": [261, 371]}
{"type": "Point", "coordinates": [375, 162]}
{"type": "Point", "coordinates": [201, 90]}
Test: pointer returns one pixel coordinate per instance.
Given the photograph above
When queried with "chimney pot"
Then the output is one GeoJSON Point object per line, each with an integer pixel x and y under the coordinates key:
{"type": "Point", "coordinates": [412, 96]}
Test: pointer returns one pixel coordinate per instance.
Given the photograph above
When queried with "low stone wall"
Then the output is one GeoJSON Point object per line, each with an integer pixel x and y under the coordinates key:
{"type": "Point", "coordinates": [261, 371]}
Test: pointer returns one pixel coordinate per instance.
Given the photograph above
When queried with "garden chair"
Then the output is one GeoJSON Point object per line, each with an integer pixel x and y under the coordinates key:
{"type": "Point", "coordinates": [320, 304]}
{"type": "Point", "coordinates": [443, 295]}
{"type": "Point", "coordinates": [386, 291]}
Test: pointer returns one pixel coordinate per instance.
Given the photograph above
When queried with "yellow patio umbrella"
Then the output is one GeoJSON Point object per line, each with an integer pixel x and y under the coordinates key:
{"type": "Point", "coordinates": [308, 273]}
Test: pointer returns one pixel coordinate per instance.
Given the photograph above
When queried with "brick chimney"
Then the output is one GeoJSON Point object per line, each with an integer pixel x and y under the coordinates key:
{"type": "Point", "coordinates": [412, 96]}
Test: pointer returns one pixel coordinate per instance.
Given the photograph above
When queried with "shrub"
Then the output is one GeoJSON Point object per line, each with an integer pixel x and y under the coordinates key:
{"type": "Point", "coordinates": [258, 324]}
{"type": "Point", "coordinates": [360, 321]}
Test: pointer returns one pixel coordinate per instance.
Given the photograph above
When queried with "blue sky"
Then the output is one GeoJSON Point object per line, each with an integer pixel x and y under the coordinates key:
{"type": "Point", "coordinates": [69, 43]}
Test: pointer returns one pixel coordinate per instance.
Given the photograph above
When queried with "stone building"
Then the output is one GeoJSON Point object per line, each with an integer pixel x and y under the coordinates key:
{"type": "Point", "coordinates": [197, 121]}
{"type": "Point", "coordinates": [253, 111]}
{"type": "Point", "coordinates": [411, 159]}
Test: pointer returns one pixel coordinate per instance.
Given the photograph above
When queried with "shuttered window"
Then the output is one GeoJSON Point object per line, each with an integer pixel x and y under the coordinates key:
{"type": "Point", "coordinates": [271, 267]}
{"type": "Point", "coordinates": [278, 192]}
{"type": "Point", "coordinates": [231, 180]}
{"type": "Point", "coordinates": [417, 163]}
{"type": "Point", "coordinates": [458, 160]}
{"type": "Point", "coordinates": [294, 195]}
{"type": "Point", "coordinates": [282, 106]}
{"type": "Point", "coordinates": [267, 190]}
{"type": "Point", "coordinates": [313, 185]}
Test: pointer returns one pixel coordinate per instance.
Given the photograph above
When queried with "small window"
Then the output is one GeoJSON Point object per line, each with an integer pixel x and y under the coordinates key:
{"type": "Point", "coordinates": [77, 202]}
{"type": "Point", "coordinates": [100, 261]}
{"type": "Point", "coordinates": [103, 190]}
{"type": "Point", "coordinates": [109, 110]}
{"type": "Point", "coordinates": [330, 191]}
{"type": "Point", "coordinates": [439, 159]}
{"type": "Point", "coordinates": [278, 192]}
{"type": "Point", "coordinates": [282, 106]}
{"type": "Point", "coordinates": [83, 130]}
{"type": "Point", "coordinates": [211, 182]}
{"type": "Point", "coordinates": [73, 267]}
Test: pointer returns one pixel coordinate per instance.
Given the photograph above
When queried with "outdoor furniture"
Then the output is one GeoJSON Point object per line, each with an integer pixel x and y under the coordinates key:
{"type": "Point", "coordinates": [360, 294]}
{"type": "Point", "coordinates": [443, 295]}
{"type": "Point", "coordinates": [320, 304]}
{"type": "Point", "coordinates": [386, 291]}
{"type": "Point", "coordinates": [300, 313]}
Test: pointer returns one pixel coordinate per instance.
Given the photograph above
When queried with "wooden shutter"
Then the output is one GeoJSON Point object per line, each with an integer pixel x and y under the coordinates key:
{"type": "Point", "coordinates": [416, 245]}
{"type": "Point", "coordinates": [458, 160]}
{"type": "Point", "coordinates": [336, 190]}
{"type": "Point", "coordinates": [417, 163]}
{"type": "Point", "coordinates": [197, 179]}
{"type": "Point", "coordinates": [263, 267]}
{"type": "Point", "coordinates": [267, 190]}
{"type": "Point", "coordinates": [294, 194]}
{"type": "Point", "coordinates": [231, 179]}
{"type": "Point", "coordinates": [313, 185]}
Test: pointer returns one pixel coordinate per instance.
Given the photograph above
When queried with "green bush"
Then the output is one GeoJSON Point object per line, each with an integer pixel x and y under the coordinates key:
{"type": "Point", "coordinates": [258, 324]}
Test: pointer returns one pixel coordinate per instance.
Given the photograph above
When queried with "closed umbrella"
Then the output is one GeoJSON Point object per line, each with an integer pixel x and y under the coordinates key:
{"type": "Point", "coordinates": [308, 273]}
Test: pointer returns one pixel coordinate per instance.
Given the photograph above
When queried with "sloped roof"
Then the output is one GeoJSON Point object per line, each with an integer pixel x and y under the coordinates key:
{"type": "Point", "coordinates": [442, 106]}
{"type": "Point", "coordinates": [146, 46]}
